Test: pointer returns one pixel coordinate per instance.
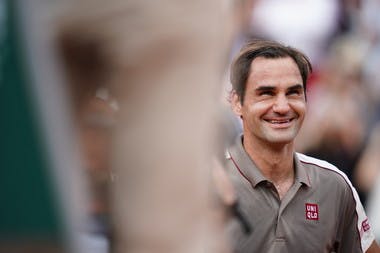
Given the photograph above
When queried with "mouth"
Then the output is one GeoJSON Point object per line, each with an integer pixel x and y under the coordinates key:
{"type": "Point", "coordinates": [280, 123]}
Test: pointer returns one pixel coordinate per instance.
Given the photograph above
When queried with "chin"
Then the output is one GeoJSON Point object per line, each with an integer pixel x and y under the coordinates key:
{"type": "Point", "coordinates": [281, 139]}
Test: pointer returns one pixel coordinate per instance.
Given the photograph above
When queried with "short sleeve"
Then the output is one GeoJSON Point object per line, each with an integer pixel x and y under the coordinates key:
{"type": "Point", "coordinates": [357, 234]}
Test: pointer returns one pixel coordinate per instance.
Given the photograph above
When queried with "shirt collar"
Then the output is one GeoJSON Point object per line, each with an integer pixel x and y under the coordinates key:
{"type": "Point", "coordinates": [244, 164]}
{"type": "Point", "coordinates": [301, 173]}
{"type": "Point", "coordinates": [248, 169]}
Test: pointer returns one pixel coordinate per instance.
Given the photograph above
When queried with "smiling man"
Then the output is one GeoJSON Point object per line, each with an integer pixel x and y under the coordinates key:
{"type": "Point", "coordinates": [285, 201]}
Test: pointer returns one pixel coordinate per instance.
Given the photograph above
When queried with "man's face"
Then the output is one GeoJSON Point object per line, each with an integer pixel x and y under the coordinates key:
{"type": "Point", "coordinates": [274, 104]}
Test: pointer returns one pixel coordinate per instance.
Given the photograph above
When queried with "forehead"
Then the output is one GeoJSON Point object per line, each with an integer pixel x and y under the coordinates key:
{"type": "Point", "coordinates": [274, 71]}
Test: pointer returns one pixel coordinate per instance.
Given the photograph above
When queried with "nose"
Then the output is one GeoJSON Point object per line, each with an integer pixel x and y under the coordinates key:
{"type": "Point", "coordinates": [281, 104]}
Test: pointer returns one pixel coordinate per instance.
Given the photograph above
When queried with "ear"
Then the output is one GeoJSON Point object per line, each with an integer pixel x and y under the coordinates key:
{"type": "Point", "coordinates": [235, 103]}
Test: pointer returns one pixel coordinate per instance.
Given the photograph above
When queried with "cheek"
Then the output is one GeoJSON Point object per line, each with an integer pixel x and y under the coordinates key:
{"type": "Point", "coordinates": [258, 108]}
{"type": "Point", "coordinates": [299, 107]}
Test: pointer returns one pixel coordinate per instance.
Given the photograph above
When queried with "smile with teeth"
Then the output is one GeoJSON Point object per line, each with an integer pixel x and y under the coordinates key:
{"type": "Point", "coordinates": [279, 121]}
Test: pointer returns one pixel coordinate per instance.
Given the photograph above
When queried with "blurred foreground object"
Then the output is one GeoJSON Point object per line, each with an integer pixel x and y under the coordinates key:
{"type": "Point", "coordinates": [165, 60]}
{"type": "Point", "coordinates": [68, 160]}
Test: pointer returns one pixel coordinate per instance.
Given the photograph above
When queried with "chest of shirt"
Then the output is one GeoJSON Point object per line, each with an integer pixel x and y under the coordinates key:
{"type": "Point", "coordinates": [303, 219]}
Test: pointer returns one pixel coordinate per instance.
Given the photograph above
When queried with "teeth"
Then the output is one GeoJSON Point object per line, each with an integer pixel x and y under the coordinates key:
{"type": "Point", "coordinates": [279, 121]}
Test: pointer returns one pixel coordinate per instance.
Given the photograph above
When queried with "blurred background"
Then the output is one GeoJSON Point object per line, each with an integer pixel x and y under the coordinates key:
{"type": "Point", "coordinates": [113, 114]}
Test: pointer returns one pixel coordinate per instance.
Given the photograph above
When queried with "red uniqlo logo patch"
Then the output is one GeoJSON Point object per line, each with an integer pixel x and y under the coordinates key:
{"type": "Point", "coordinates": [365, 225]}
{"type": "Point", "coordinates": [311, 211]}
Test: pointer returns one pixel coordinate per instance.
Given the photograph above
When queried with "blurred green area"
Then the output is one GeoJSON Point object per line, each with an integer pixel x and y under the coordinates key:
{"type": "Point", "coordinates": [27, 204]}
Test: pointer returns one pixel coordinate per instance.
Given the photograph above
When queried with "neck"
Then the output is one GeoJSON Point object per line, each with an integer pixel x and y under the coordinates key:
{"type": "Point", "coordinates": [274, 161]}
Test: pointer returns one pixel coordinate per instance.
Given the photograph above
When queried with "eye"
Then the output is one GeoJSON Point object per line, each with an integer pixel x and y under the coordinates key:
{"type": "Point", "coordinates": [266, 93]}
{"type": "Point", "coordinates": [296, 92]}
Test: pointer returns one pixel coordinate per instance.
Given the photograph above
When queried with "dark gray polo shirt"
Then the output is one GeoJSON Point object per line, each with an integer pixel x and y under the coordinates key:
{"type": "Point", "coordinates": [321, 212]}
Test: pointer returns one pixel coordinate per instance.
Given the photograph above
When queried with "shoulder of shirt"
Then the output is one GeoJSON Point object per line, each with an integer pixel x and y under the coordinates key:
{"type": "Point", "coordinates": [315, 161]}
{"type": "Point", "coordinates": [308, 160]}
{"type": "Point", "coordinates": [366, 236]}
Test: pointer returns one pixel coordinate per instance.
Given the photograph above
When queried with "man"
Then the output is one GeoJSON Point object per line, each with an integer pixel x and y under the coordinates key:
{"type": "Point", "coordinates": [285, 201]}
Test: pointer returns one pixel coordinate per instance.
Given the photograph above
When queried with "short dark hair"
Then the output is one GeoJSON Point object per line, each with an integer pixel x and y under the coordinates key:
{"type": "Point", "coordinates": [241, 65]}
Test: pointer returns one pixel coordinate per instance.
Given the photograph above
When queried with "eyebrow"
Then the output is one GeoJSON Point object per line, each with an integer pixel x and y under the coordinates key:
{"type": "Point", "coordinates": [266, 88]}
{"type": "Point", "coordinates": [296, 87]}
